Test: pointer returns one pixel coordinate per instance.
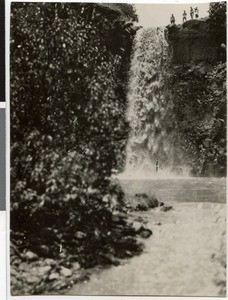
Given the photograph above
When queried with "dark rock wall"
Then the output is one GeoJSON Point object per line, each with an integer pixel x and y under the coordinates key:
{"type": "Point", "coordinates": [197, 86]}
{"type": "Point", "coordinates": [193, 42]}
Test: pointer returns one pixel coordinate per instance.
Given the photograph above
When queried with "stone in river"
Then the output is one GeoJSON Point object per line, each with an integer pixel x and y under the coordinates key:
{"type": "Point", "coordinates": [137, 226]}
{"type": "Point", "coordinates": [166, 208]}
{"type": "Point", "coordinates": [146, 233]}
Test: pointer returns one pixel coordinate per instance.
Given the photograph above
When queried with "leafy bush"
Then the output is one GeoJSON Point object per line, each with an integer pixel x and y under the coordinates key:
{"type": "Point", "coordinates": [70, 77]}
{"type": "Point", "coordinates": [69, 66]}
{"type": "Point", "coordinates": [217, 20]}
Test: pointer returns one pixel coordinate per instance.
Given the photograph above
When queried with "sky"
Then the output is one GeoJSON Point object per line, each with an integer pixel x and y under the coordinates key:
{"type": "Point", "coordinates": [155, 15]}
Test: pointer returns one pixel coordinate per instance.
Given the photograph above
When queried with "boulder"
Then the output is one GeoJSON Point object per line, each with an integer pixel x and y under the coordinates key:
{"type": "Point", "coordinates": [65, 272]}
{"type": "Point", "coordinates": [43, 270]}
{"type": "Point", "coordinates": [157, 223]}
{"type": "Point", "coordinates": [59, 285]}
{"type": "Point", "coordinates": [13, 272]}
{"type": "Point", "coordinates": [139, 219]}
{"type": "Point", "coordinates": [16, 262]}
{"type": "Point", "coordinates": [76, 266]}
{"type": "Point", "coordinates": [142, 206]}
{"type": "Point", "coordinates": [29, 255]}
{"type": "Point", "coordinates": [32, 279]}
{"type": "Point", "coordinates": [119, 218]}
{"type": "Point", "coordinates": [137, 226]}
{"type": "Point", "coordinates": [152, 202]}
{"type": "Point", "coordinates": [50, 262]}
{"type": "Point", "coordinates": [62, 255]}
{"type": "Point", "coordinates": [24, 267]}
{"type": "Point", "coordinates": [166, 208]}
{"type": "Point", "coordinates": [53, 276]}
{"type": "Point", "coordinates": [146, 233]}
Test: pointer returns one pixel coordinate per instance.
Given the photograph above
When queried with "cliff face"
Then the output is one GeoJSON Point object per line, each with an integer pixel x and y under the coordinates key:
{"type": "Point", "coordinates": [197, 86]}
{"type": "Point", "coordinates": [177, 101]}
{"type": "Point", "coordinates": [193, 42]}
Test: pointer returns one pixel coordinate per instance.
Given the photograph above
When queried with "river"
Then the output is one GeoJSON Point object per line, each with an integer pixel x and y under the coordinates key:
{"type": "Point", "coordinates": [185, 189]}
{"type": "Point", "coordinates": [185, 256]}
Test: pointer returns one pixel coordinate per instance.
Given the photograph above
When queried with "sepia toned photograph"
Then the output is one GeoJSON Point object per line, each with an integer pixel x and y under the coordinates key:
{"type": "Point", "coordinates": [118, 149]}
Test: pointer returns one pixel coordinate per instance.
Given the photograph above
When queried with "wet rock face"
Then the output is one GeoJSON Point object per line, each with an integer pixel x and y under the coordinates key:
{"type": "Point", "coordinates": [193, 42]}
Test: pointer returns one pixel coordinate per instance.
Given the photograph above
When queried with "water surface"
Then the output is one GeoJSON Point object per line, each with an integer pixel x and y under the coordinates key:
{"type": "Point", "coordinates": [179, 189]}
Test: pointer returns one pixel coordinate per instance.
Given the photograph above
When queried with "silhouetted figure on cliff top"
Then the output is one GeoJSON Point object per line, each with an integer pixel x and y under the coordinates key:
{"type": "Point", "coordinates": [196, 12]}
{"type": "Point", "coordinates": [172, 19]}
{"type": "Point", "coordinates": [191, 13]}
{"type": "Point", "coordinates": [184, 16]}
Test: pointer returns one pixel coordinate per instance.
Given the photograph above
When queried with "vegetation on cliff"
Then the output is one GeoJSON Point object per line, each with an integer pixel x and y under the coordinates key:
{"type": "Point", "coordinates": [217, 20]}
{"type": "Point", "coordinates": [198, 93]}
{"type": "Point", "coordinates": [69, 82]}
{"type": "Point", "coordinates": [199, 110]}
{"type": "Point", "coordinates": [69, 73]}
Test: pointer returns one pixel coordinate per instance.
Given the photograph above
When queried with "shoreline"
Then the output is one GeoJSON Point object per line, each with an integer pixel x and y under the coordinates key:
{"type": "Point", "coordinates": [182, 258]}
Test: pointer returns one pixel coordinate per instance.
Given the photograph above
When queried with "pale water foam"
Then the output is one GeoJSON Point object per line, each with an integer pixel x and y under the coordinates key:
{"type": "Point", "coordinates": [152, 149]}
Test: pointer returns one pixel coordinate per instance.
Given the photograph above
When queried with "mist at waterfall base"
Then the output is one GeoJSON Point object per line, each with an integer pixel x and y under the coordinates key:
{"type": "Point", "coordinates": [152, 149]}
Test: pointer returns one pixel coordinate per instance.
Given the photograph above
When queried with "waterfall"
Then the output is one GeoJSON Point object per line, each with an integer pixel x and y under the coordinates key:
{"type": "Point", "coordinates": [151, 149]}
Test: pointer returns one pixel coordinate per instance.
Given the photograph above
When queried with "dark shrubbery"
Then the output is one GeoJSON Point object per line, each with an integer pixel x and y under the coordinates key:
{"type": "Point", "coordinates": [68, 78]}
{"type": "Point", "coordinates": [69, 73]}
{"type": "Point", "coordinates": [217, 20]}
{"type": "Point", "coordinates": [198, 93]}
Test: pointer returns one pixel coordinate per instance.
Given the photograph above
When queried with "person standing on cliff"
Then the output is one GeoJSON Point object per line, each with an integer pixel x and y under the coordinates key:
{"type": "Point", "coordinates": [184, 16]}
{"type": "Point", "coordinates": [191, 13]}
{"type": "Point", "coordinates": [172, 19]}
{"type": "Point", "coordinates": [196, 12]}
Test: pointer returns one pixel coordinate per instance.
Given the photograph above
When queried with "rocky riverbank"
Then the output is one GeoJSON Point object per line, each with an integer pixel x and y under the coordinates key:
{"type": "Point", "coordinates": [186, 256]}
{"type": "Point", "coordinates": [32, 274]}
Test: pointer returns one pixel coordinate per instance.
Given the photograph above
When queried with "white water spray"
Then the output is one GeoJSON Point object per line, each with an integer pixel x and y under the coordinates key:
{"type": "Point", "coordinates": [151, 150]}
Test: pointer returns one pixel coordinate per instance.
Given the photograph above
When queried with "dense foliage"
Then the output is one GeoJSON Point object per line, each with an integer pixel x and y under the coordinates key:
{"type": "Point", "coordinates": [69, 67]}
{"type": "Point", "coordinates": [68, 75]}
{"type": "Point", "coordinates": [217, 20]}
{"type": "Point", "coordinates": [198, 93]}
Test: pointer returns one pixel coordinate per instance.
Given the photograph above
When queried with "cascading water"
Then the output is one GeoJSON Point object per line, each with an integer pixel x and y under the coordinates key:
{"type": "Point", "coordinates": [151, 149]}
